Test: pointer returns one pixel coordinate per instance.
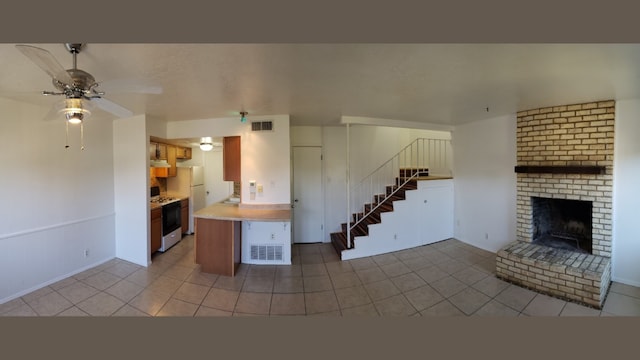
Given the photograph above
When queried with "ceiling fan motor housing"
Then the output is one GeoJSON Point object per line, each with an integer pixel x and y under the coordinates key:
{"type": "Point", "coordinates": [82, 83]}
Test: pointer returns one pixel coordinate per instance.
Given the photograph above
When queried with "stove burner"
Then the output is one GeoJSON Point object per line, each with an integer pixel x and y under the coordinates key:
{"type": "Point", "coordinates": [163, 199]}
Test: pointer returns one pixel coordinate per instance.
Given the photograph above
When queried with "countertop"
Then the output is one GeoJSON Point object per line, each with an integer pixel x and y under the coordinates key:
{"type": "Point", "coordinates": [235, 212]}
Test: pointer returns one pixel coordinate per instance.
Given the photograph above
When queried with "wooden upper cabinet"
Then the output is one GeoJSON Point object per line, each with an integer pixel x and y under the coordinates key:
{"type": "Point", "coordinates": [183, 153]}
{"type": "Point", "coordinates": [231, 158]}
{"type": "Point", "coordinates": [162, 151]}
{"type": "Point", "coordinates": [153, 147]}
{"type": "Point", "coordinates": [171, 160]}
{"type": "Point", "coordinates": [157, 151]}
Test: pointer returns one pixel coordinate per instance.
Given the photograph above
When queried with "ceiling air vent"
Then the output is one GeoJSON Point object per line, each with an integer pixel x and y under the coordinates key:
{"type": "Point", "coordinates": [262, 125]}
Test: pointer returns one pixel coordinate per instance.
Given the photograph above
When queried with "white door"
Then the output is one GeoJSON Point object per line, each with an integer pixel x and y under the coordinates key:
{"type": "Point", "coordinates": [308, 207]}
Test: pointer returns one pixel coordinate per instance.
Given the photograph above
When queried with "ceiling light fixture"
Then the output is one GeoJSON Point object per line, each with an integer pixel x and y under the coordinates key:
{"type": "Point", "coordinates": [75, 111]}
{"type": "Point", "coordinates": [243, 118]}
{"type": "Point", "coordinates": [206, 144]}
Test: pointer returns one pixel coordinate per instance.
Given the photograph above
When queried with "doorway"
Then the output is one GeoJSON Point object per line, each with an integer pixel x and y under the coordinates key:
{"type": "Point", "coordinates": [308, 204]}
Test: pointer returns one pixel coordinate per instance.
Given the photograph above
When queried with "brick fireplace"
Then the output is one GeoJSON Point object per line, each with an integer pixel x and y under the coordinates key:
{"type": "Point", "coordinates": [564, 195]}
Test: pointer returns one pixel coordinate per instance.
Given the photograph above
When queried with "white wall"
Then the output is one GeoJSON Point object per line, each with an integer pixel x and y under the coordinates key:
{"type": "Point", "coordinates": [218, 189]}
{"type": "Point", "coordinates": [626, 194]}
{"type": "Point", "coordinates": [371, 146]}
{"type": "Point", "coordinates": [485, 182]}
{"type": "Point", "coordinates": [306, 135]}
{"type": "Point", "coordinates": [334, 147]}
{"type": "Point", "coordinates": [58, 202]}
{"type": "Point", "coordinates": [265, 155]}
{"type": "Point", "coordinates": [131, 189]}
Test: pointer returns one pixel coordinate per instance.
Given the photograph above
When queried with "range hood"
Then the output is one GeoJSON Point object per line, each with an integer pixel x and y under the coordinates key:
{"type": "Point", "coordinates": [159, 164]}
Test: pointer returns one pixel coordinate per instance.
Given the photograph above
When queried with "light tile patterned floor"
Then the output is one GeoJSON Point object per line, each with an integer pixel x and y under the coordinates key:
{"type": "Point", "coordinates": [448, 278]}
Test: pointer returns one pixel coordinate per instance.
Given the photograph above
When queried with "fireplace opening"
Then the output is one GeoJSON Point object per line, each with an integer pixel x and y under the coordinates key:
{"type": "Point", "coordinates": [563, 224]}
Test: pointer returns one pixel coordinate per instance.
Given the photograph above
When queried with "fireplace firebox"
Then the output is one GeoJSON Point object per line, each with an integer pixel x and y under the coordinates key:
{"type": "Point", "coordinates": [563, 224]}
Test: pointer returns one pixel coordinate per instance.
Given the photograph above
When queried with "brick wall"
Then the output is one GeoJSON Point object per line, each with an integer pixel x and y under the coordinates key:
{"type": "Point", "coordinates": [568, 135]}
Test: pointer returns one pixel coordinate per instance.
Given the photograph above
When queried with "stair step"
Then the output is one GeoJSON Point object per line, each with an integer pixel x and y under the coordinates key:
{"type": "Point", "coordinates": [411, 184]}
{"type": "Point", "coordinates": [339, 239]}
{"type": "Point", "coordinates": [408, 172]}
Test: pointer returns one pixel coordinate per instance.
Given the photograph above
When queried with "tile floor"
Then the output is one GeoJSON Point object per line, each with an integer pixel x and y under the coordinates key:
{"type": "Point", "coordinates": [448, 278]}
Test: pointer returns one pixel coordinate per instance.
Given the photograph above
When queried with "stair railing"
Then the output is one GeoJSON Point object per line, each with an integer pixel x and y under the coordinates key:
{"type": "Point", "coordinates": [422, 157]}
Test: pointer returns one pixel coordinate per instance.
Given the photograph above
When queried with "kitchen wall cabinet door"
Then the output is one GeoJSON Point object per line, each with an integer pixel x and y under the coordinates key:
{"type": "Point", "coordinates": [156, 229]}
{"type": "Point", "coordinates": [171, 160]}
{"type": "Point", "coordinates": [153, 148]}
{"type": "Point", "coordinates": [183, 153]}
{"type": "Point", "coordinates": [157, 151]}
{"type": "Point", "coordinates": [231, 158]}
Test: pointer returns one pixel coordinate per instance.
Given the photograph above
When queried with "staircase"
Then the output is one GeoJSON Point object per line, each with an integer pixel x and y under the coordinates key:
{"type": "Point", "coordinates": [383, 202]}
{"type": "Point", "coordinates": [415, 212]}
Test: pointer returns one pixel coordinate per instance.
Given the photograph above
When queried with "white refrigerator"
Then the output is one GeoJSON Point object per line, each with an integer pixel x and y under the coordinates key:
{"type": "Point", "coordinates": [189, 181]}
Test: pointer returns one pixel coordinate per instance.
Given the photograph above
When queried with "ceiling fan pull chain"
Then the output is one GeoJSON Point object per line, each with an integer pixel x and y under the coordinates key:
{"type": "Point", "coordinates": [81, 136]}
{"type": "Point", "coordinates": [66, 141]}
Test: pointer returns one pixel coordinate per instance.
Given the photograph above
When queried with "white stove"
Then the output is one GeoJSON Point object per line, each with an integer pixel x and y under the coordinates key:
{"type": "Point", "coordinates": [171, 218]}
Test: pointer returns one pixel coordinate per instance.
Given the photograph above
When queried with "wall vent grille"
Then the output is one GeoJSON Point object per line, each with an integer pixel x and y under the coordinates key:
{"type": "Point", "coordinates": [266, 252]}
{"type": "Point", "coordinates": [262, 125]}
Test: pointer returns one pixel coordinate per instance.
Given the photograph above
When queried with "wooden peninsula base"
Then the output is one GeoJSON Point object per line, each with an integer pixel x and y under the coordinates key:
{"type": "Point", "coordinates": [217, 245]}
{"type": "Point", "coordinates": [218, 238]}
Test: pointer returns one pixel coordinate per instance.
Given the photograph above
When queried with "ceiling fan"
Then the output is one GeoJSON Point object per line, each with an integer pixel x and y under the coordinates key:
{"type": "Point", "coordinates": [79, 88]}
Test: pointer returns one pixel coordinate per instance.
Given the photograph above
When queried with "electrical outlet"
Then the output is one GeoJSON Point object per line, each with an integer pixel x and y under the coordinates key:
{"type": "Point", "coordinates": [486, 236]}
{"type": "Point", "coordinates": [86, 252]}
{"type": "Point", "coordinates": [273, 236]}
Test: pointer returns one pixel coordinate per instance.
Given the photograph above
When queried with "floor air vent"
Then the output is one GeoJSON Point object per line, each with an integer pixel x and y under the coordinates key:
{"type": "Point", "coordinates": [262, 125]}
{"type": "Point", "coordinates": [266, 252]}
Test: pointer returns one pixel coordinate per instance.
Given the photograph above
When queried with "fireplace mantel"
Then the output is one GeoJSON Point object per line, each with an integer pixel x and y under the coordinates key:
{"type": "Point", "coordinates": [574, 169]}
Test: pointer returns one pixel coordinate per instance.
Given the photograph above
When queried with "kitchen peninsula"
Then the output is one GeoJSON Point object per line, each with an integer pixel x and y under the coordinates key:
{"type": "Point", "coordinates": [219, 234]}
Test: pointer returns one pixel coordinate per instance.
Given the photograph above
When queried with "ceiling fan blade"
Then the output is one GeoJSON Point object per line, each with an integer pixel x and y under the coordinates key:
{"type": "Point", "coordinates": [53, 113]}
{"type": "Point", "coordinates": [110, 106]}
{"type": "Point", "coordinates": [129, 86]}
{"type": "Point", "coordinates": [46, 62]}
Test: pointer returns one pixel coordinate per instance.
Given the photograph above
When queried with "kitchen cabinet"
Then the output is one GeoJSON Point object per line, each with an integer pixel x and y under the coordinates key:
{"type": "Point", "coordinates": [171, 171]}
{"type": "Point", "coordinates": [185, 215]}
{"type": "Point", "coordinates": [183, 153]}
{"type": "Point", "coordinates": [231, 158]}
{"type": "Point", "coordinates": [157, 151]}
{"type": "Point", "coordinates": [217, 245]}
{"type": "Point", "coordinates": [171, 159]}
{"type": "Point", "coordinates": [156, 229]}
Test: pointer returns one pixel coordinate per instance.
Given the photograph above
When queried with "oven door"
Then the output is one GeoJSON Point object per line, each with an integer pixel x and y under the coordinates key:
{"type": "Point", "coordinates": [171, 217]}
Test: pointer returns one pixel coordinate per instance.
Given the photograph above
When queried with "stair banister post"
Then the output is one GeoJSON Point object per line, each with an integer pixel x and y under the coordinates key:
{"type": "Point", "coordinates": [348, 193]}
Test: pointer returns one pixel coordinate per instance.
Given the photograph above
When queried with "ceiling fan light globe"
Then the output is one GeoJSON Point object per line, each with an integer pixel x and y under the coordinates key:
{"type": "Point", "coordinates": [206, 146]}
{"type": "Point", "coordinates": [74, 117]}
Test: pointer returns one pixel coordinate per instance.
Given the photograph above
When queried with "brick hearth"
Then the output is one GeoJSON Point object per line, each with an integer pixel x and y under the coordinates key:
{"type": "Point", "coordinates": [578, 135]}
{"type": "Point", "coordinates": [583, 278]}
